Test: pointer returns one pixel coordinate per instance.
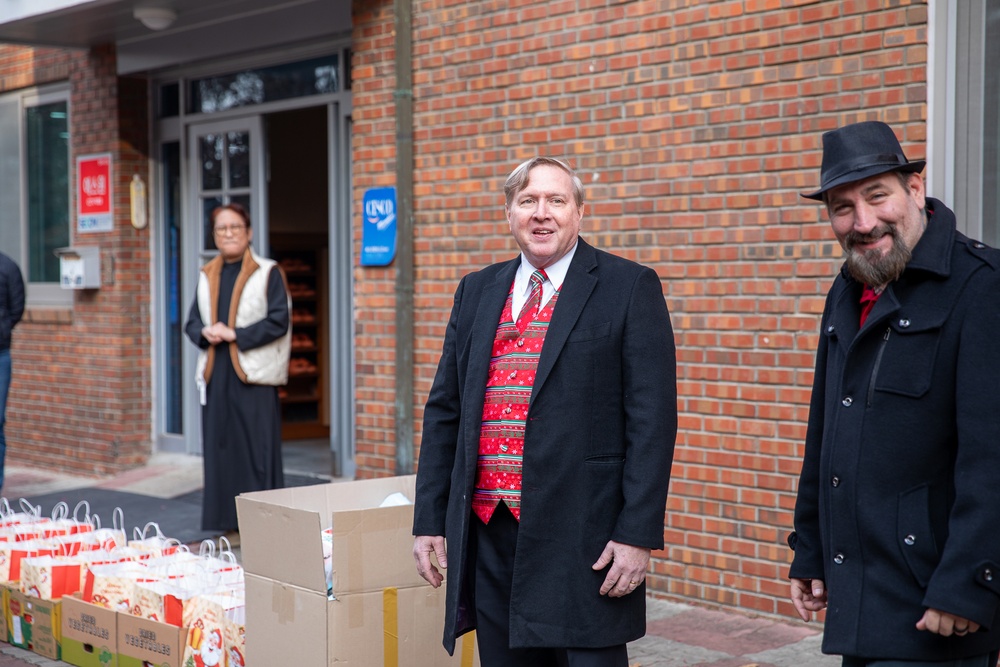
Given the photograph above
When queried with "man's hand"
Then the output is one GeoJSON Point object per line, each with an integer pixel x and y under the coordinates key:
{"type": "Point", "coordinates": [423, 547]}
{"type": "Point", "coordinates": [945, 624]}
{"type": "Point", "coordinates": [628, 568]}
{"type": "Point", "coordinates": [808, 596]}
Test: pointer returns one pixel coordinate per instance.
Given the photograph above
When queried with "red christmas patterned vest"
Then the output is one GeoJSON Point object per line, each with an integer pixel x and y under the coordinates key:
{"type": "Point", "coordinates": [505, 410]}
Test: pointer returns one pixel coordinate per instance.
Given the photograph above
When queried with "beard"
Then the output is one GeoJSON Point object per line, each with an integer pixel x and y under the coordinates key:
{"type": "Point", "coordinates": [871, 267]}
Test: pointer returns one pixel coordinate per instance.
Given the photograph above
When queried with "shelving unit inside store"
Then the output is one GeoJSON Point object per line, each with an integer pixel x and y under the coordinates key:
{"type": "Point", "coordinates": [304, 411]}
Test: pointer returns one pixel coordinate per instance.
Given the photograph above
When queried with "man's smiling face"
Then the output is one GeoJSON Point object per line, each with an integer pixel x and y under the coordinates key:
{"type": "Point", "coordinates": [544, 217]}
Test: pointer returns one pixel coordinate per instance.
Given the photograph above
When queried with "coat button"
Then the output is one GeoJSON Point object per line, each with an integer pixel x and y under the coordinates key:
{"type": "Point", "coordinates": [910, 540]}
{"type": "Point", "coordinates": [904, 323]}
{"type": "Point", "coordinates": [988, 574]}
{"type": "Point", "coordinates": [835, 481]}
{"type": "Point", "coordinates": [520, 343]}
{"type": "Point", "coordinates": [830, 329]}
{"type": "Point", "coordinates": [839, 559]}
{"type": "Point", "coordinates": [847, 402]}
{"type": "Point", "coordinates": [978, 244]}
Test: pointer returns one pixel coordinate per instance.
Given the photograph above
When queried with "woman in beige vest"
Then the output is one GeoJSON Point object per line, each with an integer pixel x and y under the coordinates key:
{"type": "Point", "coordinates": [240, 321]}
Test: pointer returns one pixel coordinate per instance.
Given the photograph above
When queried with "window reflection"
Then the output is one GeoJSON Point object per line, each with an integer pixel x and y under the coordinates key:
{"type": "Point", "coordinates": [239, 159]}
{"type": "Point", "coordinates": [317, 76]}
{"type": "Point", "coordinates": [211, 161]}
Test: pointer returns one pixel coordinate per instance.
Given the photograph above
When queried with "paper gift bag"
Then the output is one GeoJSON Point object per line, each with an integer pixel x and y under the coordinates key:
{"type": "Point", "coordinates": [161, 601]}
{"type": "Point", "coordinates": [28, 514]}
{"type": "Point", "coordinates": [88, 559]}
{"type": "Point", "coordinates": [153, 541]}
{"type": "Point", "coordinates": [12, 553]}
{"type": "Point", "coordinates": [97, 538]}
{"type": "Point", "coordinates": [62, 524]}
{"type": "Point", "coordinates": [112, 586]}
{"type": "Point", "coordinates": [234, 636]}
{"type": "Point", "coordinates": [170, 601]}
{"type": "Point", "coordinates": [205, 643]}
{"type": "Point", "coordinates": [49, 578]}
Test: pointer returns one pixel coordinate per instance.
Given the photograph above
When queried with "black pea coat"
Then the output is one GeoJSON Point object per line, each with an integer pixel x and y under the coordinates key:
{"type": "Point", "coordinates": [598, 447]}
{"type": "Point", "coordinates": [899, 504]}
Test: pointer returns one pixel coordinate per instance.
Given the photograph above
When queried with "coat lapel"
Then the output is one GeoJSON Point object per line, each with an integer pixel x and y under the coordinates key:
{"type": "Point", "coordinates": [484, 331]}
{"type": "Point", "coordinates": [581, 279]}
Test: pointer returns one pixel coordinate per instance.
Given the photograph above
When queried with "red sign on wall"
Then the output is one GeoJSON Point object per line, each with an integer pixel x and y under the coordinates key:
{"type": "Point", "coordinates": [93, 193]}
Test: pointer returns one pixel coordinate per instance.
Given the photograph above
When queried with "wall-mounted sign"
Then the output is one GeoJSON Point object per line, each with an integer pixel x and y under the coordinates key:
{"type": "Point", "coordinates": [378, 238]}
{"type": "Point", "coordinates": [93, 194]}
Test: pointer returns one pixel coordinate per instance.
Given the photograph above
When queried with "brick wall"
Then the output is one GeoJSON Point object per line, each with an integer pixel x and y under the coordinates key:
{"type": "Point", "coordinates": [80, 398]}
{"type": "Point", "coordinates": [694, 125]}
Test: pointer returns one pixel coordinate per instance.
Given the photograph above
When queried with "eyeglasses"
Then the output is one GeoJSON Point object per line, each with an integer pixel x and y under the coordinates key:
{"type": "Point", "coordinates": [225, 230]}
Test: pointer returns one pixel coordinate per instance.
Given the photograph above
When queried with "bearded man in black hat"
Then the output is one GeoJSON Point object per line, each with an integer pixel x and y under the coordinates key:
{"type": "Point", "coordinates": [897, 521]}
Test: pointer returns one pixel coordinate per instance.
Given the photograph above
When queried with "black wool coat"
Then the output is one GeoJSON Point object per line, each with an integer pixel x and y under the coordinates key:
{"type": "Point", "coordinates": [598, 447]}
{"type": "Point", "coordinates": [898, 504]}
{"type": "Point", "coordinates": [11, 299]}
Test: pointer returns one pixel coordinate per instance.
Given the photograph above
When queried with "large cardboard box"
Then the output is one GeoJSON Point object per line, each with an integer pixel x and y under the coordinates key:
{"type": "Point", "coordinates": [32, 623]}
{"type": "Point", "coordinates": [146, 643]}
{"type": "Point", "coordinates": [381, 612]}
{"type": "Point", "coordinates": [89, 634]}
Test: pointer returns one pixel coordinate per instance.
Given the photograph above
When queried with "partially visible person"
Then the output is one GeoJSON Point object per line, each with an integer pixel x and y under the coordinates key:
{"type": "Point", "coordinates": [896, 521]}
{"type": "Point", "coordinates": [240, 320]}
{"type": "Point", "coordinates": [11, 310]}
{"type": "Point", "coordinates": [547, 441]}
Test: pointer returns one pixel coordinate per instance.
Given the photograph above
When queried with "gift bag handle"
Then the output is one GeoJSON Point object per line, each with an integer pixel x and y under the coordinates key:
{"type": "Point", "coordinates": [60, 510]}
{"type": "Point", "coordinates": [76, 511]}
{"type": "Point", "coordinates": [145, 529]}
{"type": "Point", "coordinates": [207, 548]}
{"type": "Point", "coordinates": [31, 510]}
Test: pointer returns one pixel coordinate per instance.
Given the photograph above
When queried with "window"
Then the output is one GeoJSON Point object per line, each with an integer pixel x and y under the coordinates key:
{"type": "Point", "coordinates": [317, 76]}
{"type": "Point", "coordinates": [35, 187]}
{"type": "Point", "coordinates": [46, 156]}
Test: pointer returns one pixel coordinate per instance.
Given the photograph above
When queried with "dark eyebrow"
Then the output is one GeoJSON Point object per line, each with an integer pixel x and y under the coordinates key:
{"type": "Point", "coordinates": [880, 183]}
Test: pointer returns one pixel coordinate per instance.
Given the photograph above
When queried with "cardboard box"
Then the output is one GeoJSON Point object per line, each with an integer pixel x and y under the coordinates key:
{"type": "Point", "coordinates": [145, 643]}
{"type": "Point", "coordinates": [89, 634]}
{"type": "Point", "coordinates": [32, 623]}
{"type": "Point", "coordinates": [382, 612]}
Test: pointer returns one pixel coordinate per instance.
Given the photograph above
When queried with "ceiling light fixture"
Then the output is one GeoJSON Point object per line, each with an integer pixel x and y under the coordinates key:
{"type": "Point", "coordinates": [155, 18]}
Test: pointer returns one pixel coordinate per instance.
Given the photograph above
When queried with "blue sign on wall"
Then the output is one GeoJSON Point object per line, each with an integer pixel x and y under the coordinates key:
{"type": "Point", "coordinates": [378, 238]}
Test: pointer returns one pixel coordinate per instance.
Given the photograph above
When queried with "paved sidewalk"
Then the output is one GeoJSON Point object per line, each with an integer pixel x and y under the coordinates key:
{"type": "Point", "coordinates": [678, 635]}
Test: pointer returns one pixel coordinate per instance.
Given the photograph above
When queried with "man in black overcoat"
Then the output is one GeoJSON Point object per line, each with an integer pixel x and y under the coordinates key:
{"type": "Point", "coordinates": [897, 522]}
{"type": "Point", "coordinates": [546, 453]}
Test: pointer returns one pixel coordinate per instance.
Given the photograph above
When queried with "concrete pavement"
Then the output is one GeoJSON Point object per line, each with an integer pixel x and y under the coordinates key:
{"type": "Point", "coordinates": [678, 635]}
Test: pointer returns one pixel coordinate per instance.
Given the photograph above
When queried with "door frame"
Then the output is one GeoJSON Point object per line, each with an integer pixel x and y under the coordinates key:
{"type": "Point", "coordinates": [194, 255]}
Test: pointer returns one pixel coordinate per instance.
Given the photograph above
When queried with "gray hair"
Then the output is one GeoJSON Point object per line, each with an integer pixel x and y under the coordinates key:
{"type": "Point", "coordinates": [518, 179]}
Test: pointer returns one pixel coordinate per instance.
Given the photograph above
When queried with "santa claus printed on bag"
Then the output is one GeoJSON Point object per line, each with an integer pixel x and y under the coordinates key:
{"type": "Point", "coordinates": [236, 658]}
{"type": "Point", "coordinates": [210, 652]}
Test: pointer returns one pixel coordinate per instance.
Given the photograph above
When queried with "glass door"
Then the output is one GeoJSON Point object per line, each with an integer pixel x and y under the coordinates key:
{"type": "Point", "coordinates": [225, 164]}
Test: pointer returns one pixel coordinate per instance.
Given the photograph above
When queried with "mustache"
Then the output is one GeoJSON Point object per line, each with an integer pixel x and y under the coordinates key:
{"type": "Point", "coordinates": [854, 238]}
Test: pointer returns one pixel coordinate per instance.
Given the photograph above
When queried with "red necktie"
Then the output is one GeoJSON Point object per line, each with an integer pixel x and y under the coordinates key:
{"type": "Point", "coordinates": [530, 308]}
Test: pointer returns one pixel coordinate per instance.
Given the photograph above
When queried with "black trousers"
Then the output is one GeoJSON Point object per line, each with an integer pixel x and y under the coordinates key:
{"type": "Point", "coordinates": [494, 546]}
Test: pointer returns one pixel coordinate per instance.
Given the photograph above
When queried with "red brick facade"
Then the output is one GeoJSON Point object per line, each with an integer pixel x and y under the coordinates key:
{"type": "Point", "coordinates": [694, 125]}
{"type": "Point", "coordinates": [80, 399]}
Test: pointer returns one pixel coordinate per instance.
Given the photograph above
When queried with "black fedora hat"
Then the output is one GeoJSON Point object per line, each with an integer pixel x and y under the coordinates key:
{"type": "Point", "coordinates": [856, 152]}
